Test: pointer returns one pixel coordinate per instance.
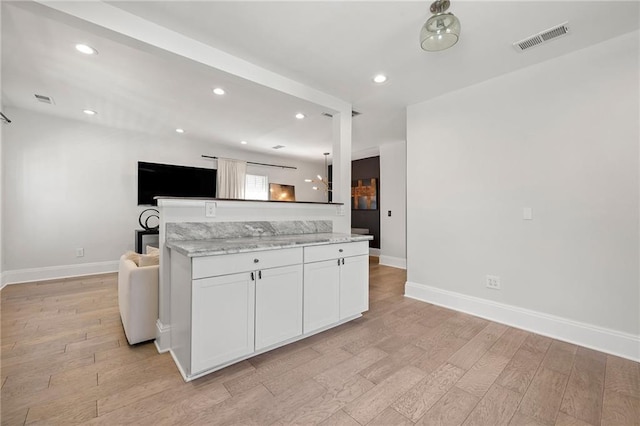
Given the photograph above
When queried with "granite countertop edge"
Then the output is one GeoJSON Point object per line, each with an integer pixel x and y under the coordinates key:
{"type": "Point", "coordinates": [222, 246]}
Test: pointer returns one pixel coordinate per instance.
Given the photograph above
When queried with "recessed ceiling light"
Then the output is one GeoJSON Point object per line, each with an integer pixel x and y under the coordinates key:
{"type": "Point", "coordinates": [300, 116]}
{"type": "Point", "coordinates": [218, 91]}
{"type": "Point", "coordinates": [380, 78]}
{"type": "Point", "coordinates": [243, 142]}
{"type": "Point", "coordinates": [86, 49]}
{"type": "Point", "coordinates": [180, 130]}
{"type": "Point", "coordinates": [89, 112]}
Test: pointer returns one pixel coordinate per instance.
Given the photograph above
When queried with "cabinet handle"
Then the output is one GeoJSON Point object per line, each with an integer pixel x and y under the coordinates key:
{"type": "Point", "coordinates": [340, 250]}
{"type": "Point", "coordinates": [338, 262]}
{"type": "Point", "coordinates": [256, 260]}
{"type": "Point", "coordinates": [253, 277]}
{"type": "Point", "coordinates": [343, 260]}
{"type": "Point", "coordinates": [259, 275]}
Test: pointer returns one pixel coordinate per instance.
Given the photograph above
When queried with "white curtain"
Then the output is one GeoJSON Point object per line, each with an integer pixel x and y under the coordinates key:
{"type": "Point", "coordinates": [231, 178]}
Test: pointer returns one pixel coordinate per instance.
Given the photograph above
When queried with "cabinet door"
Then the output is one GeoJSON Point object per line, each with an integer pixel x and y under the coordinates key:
{"type": "Point", "coordinates": [354, 286]}
{"type": "Point", "coordinates": [278, 305]}
{"type": "Point", "coordinates": [223, 320]}
{"type": "Point", "coordinates": [321, 294]}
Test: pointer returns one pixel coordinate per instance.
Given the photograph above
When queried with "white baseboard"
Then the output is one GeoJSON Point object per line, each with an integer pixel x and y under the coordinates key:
{"type": "Point", "coordinates": [395, 262]}
{"type": "Point", "coordinates": [614, 342]}
{"type": "Point", "coordinates": [163, 337]}
{"type": "Point", "coordinates": [19, 276]}
{"type": "Point", "coordinates": [374, 251]}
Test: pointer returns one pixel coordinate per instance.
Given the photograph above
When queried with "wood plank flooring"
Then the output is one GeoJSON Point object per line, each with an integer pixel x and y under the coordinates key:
{"type": "Point", "coordinates": [65, 360]}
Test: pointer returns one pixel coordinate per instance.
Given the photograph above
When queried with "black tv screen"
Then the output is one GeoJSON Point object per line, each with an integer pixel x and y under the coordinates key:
{"type": "Point", "coordinates": [155, 180]}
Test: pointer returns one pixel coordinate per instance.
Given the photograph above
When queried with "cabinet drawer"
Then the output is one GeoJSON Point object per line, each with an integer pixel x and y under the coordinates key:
{"type": "Point", "coordinates": [335, 251]}
{"type": "Point", "coordinates": [224, 264]}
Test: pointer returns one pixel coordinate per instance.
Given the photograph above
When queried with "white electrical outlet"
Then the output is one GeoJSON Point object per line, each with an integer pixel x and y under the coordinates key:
{"type": "Point", "coordinates": [79, 252]}
{"type": "Point", "coordinates": [493, 282]}
{"type": "Point", "coordinates": [210, 209]}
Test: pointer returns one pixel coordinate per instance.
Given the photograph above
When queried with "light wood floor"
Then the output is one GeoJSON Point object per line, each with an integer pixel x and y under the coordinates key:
{"type": "Point", "coordinates": [65, 360]}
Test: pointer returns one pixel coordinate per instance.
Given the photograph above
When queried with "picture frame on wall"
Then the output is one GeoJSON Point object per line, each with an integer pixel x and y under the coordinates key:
{"type": "Point", "coordinates": [364, 194]}
{"type": "Point", "coordinates": [282, 192]}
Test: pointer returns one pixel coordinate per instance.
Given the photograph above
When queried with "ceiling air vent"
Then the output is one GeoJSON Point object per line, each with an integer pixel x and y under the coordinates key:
{"type": "Point", "coordinates": [542, 37]}
{"type": "Point", "coordinates": [353, 114]}
{"type": "Point", "coordinates": [278, 147]}
{"type": "Point", "coordinates": [44, 99]}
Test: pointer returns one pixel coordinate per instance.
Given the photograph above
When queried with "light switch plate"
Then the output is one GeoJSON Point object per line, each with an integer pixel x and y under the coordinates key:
{"type": "Point", "coordinates": [210, 209]}
{"type": "Point", "coordinates": [527, 213]}
{"type": "Point", "coordinates": [340, 210]}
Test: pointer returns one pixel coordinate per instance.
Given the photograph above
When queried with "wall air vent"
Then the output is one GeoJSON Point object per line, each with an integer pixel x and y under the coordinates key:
{"type": "Point", "coordinates": [278, 147]}
{"type": "Point", "coordinates": [542, 37]}
{"type": "Point", "coordinates": [44, 99]}
{"type": "Point", "coordinates": [353, 114]}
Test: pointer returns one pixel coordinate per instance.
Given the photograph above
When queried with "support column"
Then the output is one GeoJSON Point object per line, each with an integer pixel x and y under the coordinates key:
{"type": "Point", "coordinates": [342, 168]}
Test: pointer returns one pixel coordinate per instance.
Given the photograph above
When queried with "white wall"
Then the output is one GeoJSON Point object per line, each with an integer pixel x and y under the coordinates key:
{"type": "Point", "coordinates": [560, 137]}
{"type": "Point", "coordinates": [70, 184]}
{"type": "Point", "coordinates": [393, 191]}
{"type": "Point", "coordinates": [2, 204]}
{"type": "Point", "coordinates": [1, 172]}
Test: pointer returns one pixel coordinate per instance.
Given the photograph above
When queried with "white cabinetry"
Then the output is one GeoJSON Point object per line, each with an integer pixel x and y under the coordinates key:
{"type": "Point", "coordinates": [223, 319]}
{"type": "Point", "coordinates": [278, 305]}
{"type": "Point", "coordinates": [225, 308]}
{"type": "Point", "coordinates": [354, 286]}
{"type": "Point", "coordinates": [321, 294]}
{"type": "Point", "coordinates": [238, 314]}
{"type": "Point", "coordinates": [336, 283]}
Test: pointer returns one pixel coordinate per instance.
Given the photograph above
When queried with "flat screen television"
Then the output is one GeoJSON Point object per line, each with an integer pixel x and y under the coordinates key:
{"type": "Point", "coordinates": [156, 180]}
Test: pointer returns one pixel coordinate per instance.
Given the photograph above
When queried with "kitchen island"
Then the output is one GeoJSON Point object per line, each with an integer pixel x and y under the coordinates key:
{"type": "Point", "coordinates": [240, 295]}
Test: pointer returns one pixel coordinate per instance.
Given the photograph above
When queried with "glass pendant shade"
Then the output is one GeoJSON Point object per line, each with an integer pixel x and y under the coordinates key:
{"type": "Point", "coordinates": [441, 31]}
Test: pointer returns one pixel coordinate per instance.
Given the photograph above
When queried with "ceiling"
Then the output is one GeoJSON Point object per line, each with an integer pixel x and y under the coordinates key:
{"type": "Point", "coordinates": [333, 46]}
{"type": "Point", "coordinates": [136, 87]}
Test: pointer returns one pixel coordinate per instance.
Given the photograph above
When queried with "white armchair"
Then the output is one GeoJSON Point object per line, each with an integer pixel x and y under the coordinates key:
{"type": "Point", "coordinates": [138, 300]}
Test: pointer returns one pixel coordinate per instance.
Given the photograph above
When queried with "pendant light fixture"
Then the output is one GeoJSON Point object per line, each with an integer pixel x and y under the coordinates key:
{"type": "Point", "coordinates": [442, 30]}
{"type": "Point", "coordinates": [323, 180]}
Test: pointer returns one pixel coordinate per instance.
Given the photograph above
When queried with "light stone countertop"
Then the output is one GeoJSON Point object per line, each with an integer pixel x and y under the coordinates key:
{"type": "Point", "coordinates": [219, 246]}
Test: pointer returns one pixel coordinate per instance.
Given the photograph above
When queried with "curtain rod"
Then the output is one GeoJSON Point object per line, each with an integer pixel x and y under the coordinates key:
{"type": "Point", "coordinates": [257, 164]}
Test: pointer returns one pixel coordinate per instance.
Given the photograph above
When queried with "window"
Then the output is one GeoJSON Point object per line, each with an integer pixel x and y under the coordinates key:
{"type": "Point", "coordinates": [256, 187]}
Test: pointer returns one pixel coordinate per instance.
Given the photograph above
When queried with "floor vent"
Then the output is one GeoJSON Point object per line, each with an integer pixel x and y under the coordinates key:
{"type": "Point", "coordinates": [542, 37]}
{"type": "Point", "coordinates": [44, 99]}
